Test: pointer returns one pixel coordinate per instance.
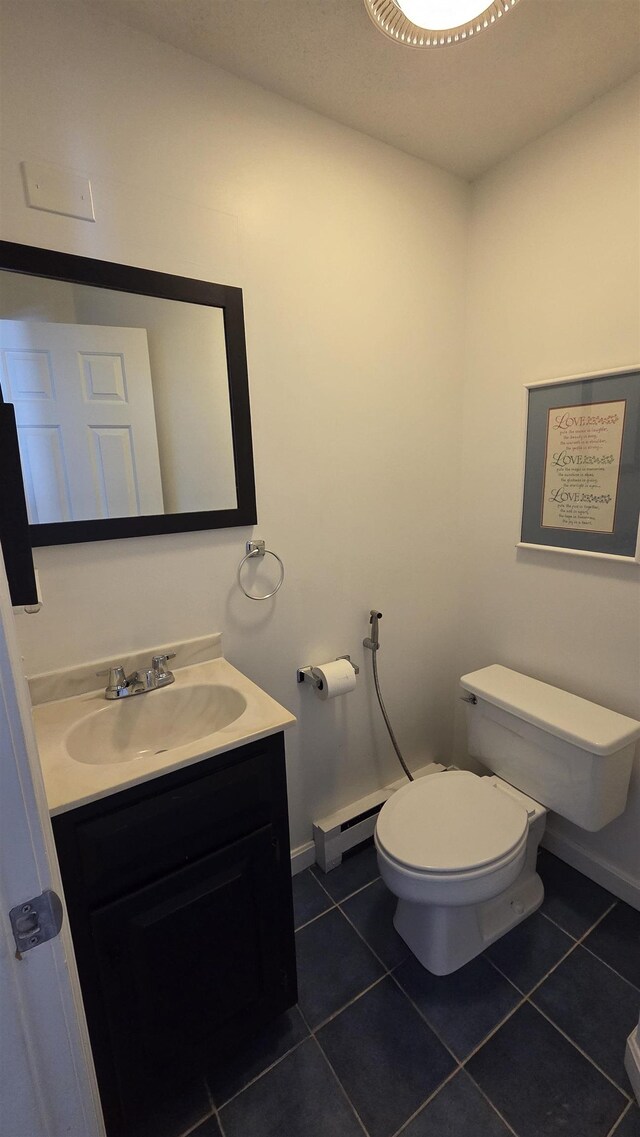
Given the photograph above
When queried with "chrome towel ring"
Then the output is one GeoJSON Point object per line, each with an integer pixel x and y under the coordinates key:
{"type": "Point", "coordinates": [257, 549]}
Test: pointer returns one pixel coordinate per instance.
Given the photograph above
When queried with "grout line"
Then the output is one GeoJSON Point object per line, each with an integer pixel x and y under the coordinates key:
{"type": "Point", "coordinates": [591, 927]}
{"type": "Point", "coordinates": [266, 1070]}
{"type": "Point", "coordinates": [578, 943]}
{"type": "Point", "coordinates": [207, 1117]}
{"type": "Point", "coordinates": [424, 1018]}
{"type": "Point", "coordinates": [304, 1017]}
{"type": "Point", "coordinates": [334, 903]}
{"type": "Point", "coordinates": [495, 1029]}
{"type": "Point", "coordinates": [366, 942]}
{"type": "Point", "coordinates": [358, 890]}
{"type": "Point", "coordinates": [584, 1054]}
{"type": "Point", "coordinates": [554, 922]}
{"type": "Point", "coordinates": [600, 919]}
{"type": "Point", "coordinates": [343, 1089]}
{"type": "Point", "coordinates": [575, 943]}
{"type": "Point", "coordinates": [349, 894]}
{"type": "Point", "coordinates": [503, 974]}
{"type": "Point", "coordinates": [314, 918]}
{"type": "Point", "coordinates": [618, 1123]}
{"type": "Point", "coordinates": [539, 982]}
{"type": "Point", "coordinates": [427, 1101]}
{"type": "Point", "coordinates": [316, 877]}
{"type": "Point", "coordinates": [489, 1102]}
{"type": "Point", "coordinates": [605, 964]}
{"type": "Point", "coordinates": [350, 1003]}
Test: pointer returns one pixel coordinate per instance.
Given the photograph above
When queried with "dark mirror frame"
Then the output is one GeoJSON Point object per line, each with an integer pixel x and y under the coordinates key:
{"type": "Point", "coordinates": [124, 278]}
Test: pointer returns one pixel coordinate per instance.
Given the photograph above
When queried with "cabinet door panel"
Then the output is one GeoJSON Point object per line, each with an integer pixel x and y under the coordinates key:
{"type": "Point", "coordinates": [191, 964]}
{"type": "Point", "coordinates": [133, 845]}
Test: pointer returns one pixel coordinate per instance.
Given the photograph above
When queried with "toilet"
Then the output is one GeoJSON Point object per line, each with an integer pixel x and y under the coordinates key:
{"type": "Point", "coordinates": [459, 849]}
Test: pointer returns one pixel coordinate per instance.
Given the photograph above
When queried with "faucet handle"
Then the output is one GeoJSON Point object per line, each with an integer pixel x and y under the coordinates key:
{"type": "Point", "coordinates": [158, 661]}
{"type": "Point", "coordinates": [117, 678]}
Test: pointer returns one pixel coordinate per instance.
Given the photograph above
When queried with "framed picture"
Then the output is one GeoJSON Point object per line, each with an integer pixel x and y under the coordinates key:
{"type": "Point", "coordinates": [582, 466]}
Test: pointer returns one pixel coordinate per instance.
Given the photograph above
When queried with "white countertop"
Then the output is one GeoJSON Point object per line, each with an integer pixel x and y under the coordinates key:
{"type": "Point", "coordinates": [70, 783]}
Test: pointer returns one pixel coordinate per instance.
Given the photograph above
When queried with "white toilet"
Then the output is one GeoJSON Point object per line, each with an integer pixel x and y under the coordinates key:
{"type": "Point", "coordinates": [459, 850]}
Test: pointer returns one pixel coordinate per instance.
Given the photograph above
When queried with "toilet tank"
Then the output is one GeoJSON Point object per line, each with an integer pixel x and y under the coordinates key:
{"type": "Point", "coordinates": [569, 754]}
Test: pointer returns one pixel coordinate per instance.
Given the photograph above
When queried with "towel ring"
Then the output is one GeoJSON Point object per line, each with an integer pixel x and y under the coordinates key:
{"type": "Point", "coordinates": [257, 549]}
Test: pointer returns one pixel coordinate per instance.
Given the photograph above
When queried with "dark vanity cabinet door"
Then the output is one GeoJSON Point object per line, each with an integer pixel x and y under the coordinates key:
{"type": "Point", "coordinates": [186, 959]}
{"type": "Point", "coordinates": [184, 950]}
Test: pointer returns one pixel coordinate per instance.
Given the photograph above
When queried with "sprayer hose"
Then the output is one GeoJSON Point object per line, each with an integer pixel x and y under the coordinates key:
{"type": "Point", "coordinates": [385, 716]}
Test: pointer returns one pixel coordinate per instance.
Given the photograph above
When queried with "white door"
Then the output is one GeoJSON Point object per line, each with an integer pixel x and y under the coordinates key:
{"type": "Point", "coordinates": [85, 417]}
{"type": "Point", "coordinates": [47, 1081]}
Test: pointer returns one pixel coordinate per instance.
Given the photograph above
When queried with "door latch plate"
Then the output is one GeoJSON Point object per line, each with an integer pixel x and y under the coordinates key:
{"type": "Point", "coordinates": [36, 921]}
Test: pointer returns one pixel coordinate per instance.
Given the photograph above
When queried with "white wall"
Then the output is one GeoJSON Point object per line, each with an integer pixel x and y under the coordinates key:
{"type": "Point", "coordinates": [554, 290]}
{"type": "Point", "coordinates": [351, 258]}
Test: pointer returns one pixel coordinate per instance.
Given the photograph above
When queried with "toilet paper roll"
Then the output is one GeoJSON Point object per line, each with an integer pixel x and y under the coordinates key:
{"type": "Point", "coordinates": [337, 678]}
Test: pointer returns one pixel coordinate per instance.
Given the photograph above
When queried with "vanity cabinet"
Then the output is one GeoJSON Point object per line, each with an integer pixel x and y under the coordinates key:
{"type": "Point", "coordinates": [179, 899]}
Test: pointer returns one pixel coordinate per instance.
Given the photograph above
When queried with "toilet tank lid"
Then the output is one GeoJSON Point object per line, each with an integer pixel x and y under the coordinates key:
{"type": "Point", "coordinates": [579, 721]}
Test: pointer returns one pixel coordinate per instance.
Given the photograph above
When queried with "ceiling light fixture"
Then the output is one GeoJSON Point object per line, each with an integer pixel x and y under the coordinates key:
{"type": "Point", "coordinates": [435, 23]}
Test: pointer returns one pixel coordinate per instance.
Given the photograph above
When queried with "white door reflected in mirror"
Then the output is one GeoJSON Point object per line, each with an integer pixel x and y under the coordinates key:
{"type": "Point", "coordinates": [85, 418]}
{"type": "Point", "coordinates": [63, 342]}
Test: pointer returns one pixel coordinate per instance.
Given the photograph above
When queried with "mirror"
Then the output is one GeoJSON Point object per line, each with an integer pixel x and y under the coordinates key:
{"type": "Point", "coordinates": [131, 397]}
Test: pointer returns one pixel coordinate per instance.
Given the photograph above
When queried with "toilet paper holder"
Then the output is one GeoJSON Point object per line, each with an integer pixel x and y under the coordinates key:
{"type": "Point", "coordinates": [305, 674]}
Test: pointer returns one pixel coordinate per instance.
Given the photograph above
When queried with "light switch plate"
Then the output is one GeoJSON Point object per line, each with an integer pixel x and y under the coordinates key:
{"type": "Point", "coordinates": [57, 191]}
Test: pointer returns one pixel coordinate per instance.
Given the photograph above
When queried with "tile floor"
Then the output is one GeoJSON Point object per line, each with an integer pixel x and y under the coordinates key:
{"type": "Point", "coordinates": [527, 1040]}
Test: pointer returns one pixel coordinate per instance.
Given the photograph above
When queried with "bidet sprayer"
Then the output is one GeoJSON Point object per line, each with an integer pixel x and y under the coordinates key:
{"type": "Point", "coordinates": [372, 641]}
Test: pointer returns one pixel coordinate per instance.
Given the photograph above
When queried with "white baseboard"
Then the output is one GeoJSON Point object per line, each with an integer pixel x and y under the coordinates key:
{"type": "Point", "coordinates": [303, 857]}
{"type": "Point", "coordinates": [632, 1060]}
{"type": "Point", "coordinates": [595, 867]}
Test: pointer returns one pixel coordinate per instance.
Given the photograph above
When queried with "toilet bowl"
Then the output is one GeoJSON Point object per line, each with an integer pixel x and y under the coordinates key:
{"type": "Point", "coordinates": [451, 838]}
{"type": "Point", "coordinates": [458, 850]}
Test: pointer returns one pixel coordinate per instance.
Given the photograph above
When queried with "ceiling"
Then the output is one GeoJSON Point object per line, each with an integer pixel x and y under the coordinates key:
{"type": "Point", "coordinates": [463, 107]}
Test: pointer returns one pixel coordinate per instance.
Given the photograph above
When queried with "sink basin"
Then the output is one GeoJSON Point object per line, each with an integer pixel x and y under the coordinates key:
{"type": "Point", "coordinates": [140, 726]}
{"type": "Point", "coordinates": [90, 747]}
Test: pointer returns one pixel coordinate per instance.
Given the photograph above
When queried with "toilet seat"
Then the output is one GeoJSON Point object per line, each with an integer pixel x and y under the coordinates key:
{"type": "Point", "coordinates": [451, 826]}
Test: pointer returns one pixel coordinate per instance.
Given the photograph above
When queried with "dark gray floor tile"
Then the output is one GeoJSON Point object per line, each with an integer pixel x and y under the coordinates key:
{"type": "Point", "coordinates": [386, 1057]}
{"type": "Point", "coordinates": [353, 873]}
{"type": "Point", "coordinates": [230, 1077]}
{"type": "Point", "coordinates": [371, 911]}
{"type": "Point", "coordinates": [299, 1097]}
{"type": "Point", "coordinates": [594, 1006]}
{"type": "Point", "coordinates": [541, 1084]}
{"type": "Point", "coordinates": [527, 953]}
{"type": "Point", "coordinates": [209, 1128]}
{"type": "Point", "coordinates": [309, 899]}
{"type": "Point", "coordinates": [570, 899]}
{"type": "Point", "coordinates": [462, 1007]}
{"type": "Point", "coordinates": [457, 1110]}
{"type": "Point", "coordinates": [334, 966]}
{"type": "Point", "coordinates": [630, 1124]}
{"type": "Point", "coordinates": [616, 940]}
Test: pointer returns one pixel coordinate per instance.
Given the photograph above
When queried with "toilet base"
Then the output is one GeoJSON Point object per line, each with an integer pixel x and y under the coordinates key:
{"type": "Point", "coordinates": [445, 938]}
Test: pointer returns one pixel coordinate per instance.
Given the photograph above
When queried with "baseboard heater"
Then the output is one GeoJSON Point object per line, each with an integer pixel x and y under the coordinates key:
{"type": "Point", "coordinates": [340, 831]}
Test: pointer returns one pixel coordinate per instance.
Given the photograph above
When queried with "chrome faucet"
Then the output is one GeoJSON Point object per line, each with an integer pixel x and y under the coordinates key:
{"type": "Point", "coordinates": [120, 685]}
